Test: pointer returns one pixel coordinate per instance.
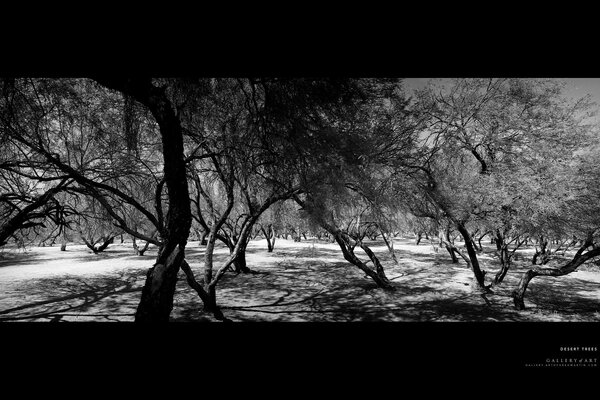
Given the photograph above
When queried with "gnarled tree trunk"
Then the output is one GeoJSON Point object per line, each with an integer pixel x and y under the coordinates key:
{"type": "Point", "coordinates": [106, 241]}
{"type": "Point", "coordinates": [342, 239]}
{"type": "Point", "coordinates": [139, 251]}
{"type": "Point", "coordinates": [578, 259]}
{"type": "Point", "coordinates": [157, 295]}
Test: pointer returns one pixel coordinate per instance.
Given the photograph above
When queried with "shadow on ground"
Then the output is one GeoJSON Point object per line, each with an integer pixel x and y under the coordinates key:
{"type": "Point", "coordinates": [72, 298]}
{"type": "Point", "coordinates": [311, 282]}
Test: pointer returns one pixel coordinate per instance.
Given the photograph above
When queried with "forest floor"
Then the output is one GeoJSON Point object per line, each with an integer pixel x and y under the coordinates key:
{"type": "Point", "coordinates": [298, 281]}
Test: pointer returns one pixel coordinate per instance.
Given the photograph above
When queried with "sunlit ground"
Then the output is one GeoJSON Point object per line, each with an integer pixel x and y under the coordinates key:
{"type": "Point", "coordinates": [305, 281]}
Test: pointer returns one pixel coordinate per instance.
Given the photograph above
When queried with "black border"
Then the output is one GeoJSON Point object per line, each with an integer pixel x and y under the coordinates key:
{"type": "Point", "coordinates": [302, 354]}
{"type": "Point", "coordinates": [386, 352]}
{"type": "Point", "coordinates": [418, 40]}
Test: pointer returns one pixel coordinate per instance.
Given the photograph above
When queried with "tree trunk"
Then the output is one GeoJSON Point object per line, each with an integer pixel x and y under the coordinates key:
{"type": "Point", "coordinates": [389, 242]}
{"type": "Point", "coordinates": [207, 295]}
{"type": "Point", "coordinates": [503, 257]}
{"type": "Point", "coordinates": [273, 237]}
{"type": "Point", "coordinates": [270, 236]}
{"type": "Point", "coordinates": [378, 275]}
{"type": "Point", "coordinates": [504, 267]}
{"type": "Point", "coordinates": [139, 251]}
{"type": "Point", "coordinates": [203, 238]}
{"type": "Point", "coordinates": [419, 238]}
{"type": "Point", "coordinates": [479, 274]}
{"type": "Point", "coordinates": [449, 245]}
{"type": "Point", "coordinates": [106, 241]}
{"type": "Point", "coordinates": [63, 241]}
{"type": "Point", "coordinates": [342, 239]}
{"type": "Point", "coordinates": [210, 288]}
{"type": "Point", "coordinates": [156, 302]}
{"type": "Point", "coordinates": [452, 253]}
{"type": "Point", "coordinates": [381, 280]}
{"type": "Point", "coordinates": [578, 259]}
{"type": "Point", "coordinates": [239, 264]}
{"type": "Point", "coordinates": [541, 252]}
{"type": "Point", "coordinates": [479, 241]}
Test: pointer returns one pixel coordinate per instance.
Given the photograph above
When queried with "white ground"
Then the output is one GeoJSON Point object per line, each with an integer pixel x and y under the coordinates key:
{"type": "Point", "coordinates": [306, 281]}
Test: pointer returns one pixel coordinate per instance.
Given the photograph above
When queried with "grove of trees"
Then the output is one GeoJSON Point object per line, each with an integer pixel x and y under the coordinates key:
{"type": "Point", "coordinates": [163, 161]}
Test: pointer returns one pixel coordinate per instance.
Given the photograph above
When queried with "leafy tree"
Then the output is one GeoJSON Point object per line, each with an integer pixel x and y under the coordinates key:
{"type": "Point", "coordinates": [490, 144]}
{"type": "Point", "coordinates": [579, 214]}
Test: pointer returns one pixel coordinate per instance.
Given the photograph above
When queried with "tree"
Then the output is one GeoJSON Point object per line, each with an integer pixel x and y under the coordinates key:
{"type": "Point", "coordinates": [157, 295]}
{"type": "Point", "coordinates": [485, 137]}
{"type": "Point", "coordinates": [580, 213]}
{"type": "Point", "coordinates": [94, 227]}
{"type": "Point", "coordinates": [580, 258]}
{"type": "Point", "coordinates": [29, 189]}
{"type": "Point", "coordinates": [347, 239]}
{"type": "Point", "coordinates": [351, 169]}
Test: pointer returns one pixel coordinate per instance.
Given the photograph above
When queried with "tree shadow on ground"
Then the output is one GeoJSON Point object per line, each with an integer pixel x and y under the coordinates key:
{"type": "Point", "coordinates": [14, 259]}
{"type": "Point", "coordinates": [563, 294]}
{"type": "Point", "coordinates": [301, 283]}
{"type": "Point", "coordinates": [80, 255]}
{"type": "Point", "coordinates": [301, 290]}
{"type": "Point", "coordinates": [68, 297]}
{"type": "Point", "coordinates": [300, 287]}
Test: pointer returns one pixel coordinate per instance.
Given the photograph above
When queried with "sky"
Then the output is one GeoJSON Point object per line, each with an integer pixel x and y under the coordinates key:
{"type": "Point", "coordinates": [579, 87]}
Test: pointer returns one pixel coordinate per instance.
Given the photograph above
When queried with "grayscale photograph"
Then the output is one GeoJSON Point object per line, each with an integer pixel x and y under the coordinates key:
{"type": "Point", "coordinates": [306, 202]}
{"type": "Point", "coordinates": [290, 199]}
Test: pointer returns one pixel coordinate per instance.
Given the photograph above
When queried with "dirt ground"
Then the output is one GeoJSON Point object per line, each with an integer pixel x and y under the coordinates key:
{"type": "Point", "coordinates": [298, 281]}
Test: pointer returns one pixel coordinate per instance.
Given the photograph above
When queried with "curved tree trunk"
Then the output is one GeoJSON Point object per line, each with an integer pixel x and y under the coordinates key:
{"type": "Point", "coordinates": [449, 245]}
{"type": "Point", "coordinates": [451, 251]}
{"type": "Point", "coordinates": [381, 280]}
{"type": "Point", "coordinates": [499, 277]}
{"type": "Point", "coordinates": [106, 241]}
{"type": "Point", "coordinates": [479, 240]}
{"type": "Point", "coordinates": [578, 259]}
{"type": "Point", "coordinates": [342, 239]}
{"type": "Point", "coordinates": [378, 275]}
{"type": "Point", "coordinates": [156, 302]}
{"type": "Point", "coordinates": [139, 251]}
